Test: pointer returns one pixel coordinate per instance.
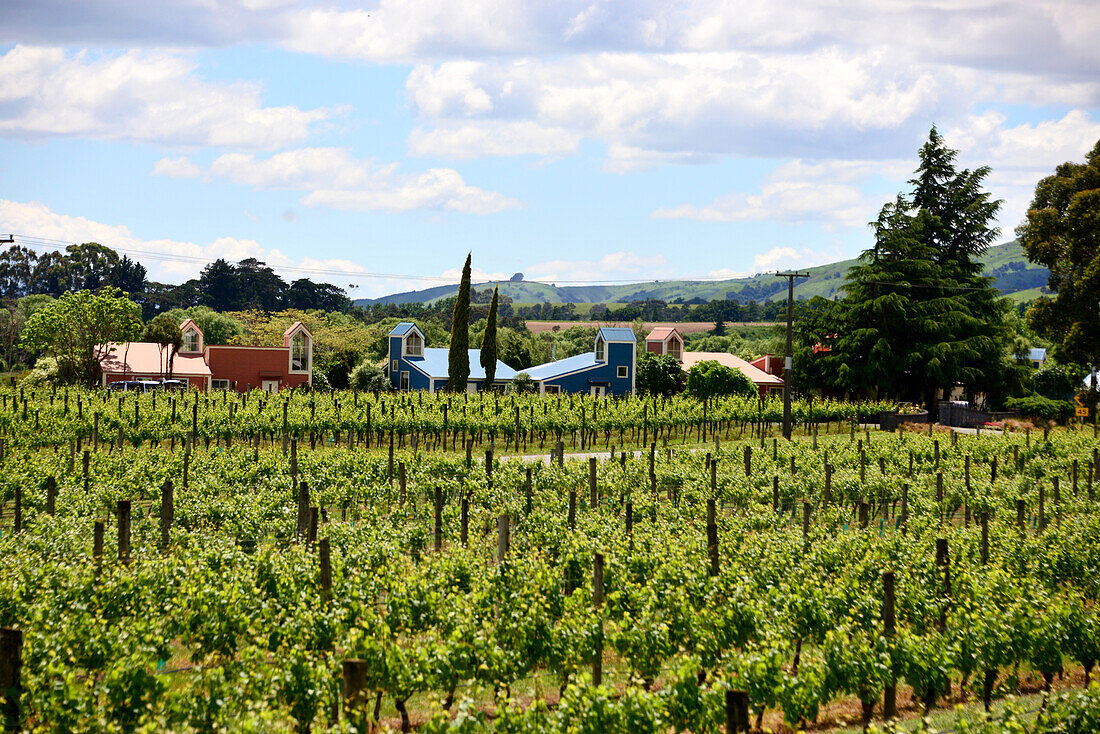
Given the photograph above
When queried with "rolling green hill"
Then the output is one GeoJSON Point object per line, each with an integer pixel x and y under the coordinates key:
{"type": "Point", "coordinates": [1006, 263]}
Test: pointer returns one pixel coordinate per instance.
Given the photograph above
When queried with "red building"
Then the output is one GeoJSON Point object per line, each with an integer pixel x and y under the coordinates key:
{"type": "Point", "coordinates": [218, 367]}
{"type": "Point", "coordinates": [667, 340]}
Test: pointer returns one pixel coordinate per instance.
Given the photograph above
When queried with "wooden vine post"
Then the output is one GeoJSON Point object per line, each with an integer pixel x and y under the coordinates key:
{"type": "Point", "coordinates": [597, 602]}
{"type": "Point", "coordinates": [890, 693]}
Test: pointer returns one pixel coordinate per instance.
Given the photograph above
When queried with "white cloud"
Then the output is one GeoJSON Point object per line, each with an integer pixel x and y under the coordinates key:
{"type": "Point", "coordinates": [779, 258]}
{"type": "Point", "coordinates": [137, 97]}
{"type": "Point", "coordinates": [615, 266]}
{"type": "Point", "coordinates": [181, 167]}
{"type": "Point", "coordinates": [832, 205]}
{"type": "Point", "coordinates": [493, 138]}
{"type": "Point", "coordinates": [167, 260]}
{"type": "Point", "coordinates": [335, 179]}
{"type": "Point", "coordinates": [728, 274]}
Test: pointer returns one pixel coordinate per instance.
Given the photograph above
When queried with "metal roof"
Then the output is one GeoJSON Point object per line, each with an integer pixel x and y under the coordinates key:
{"type": "Point", "coordinates": [402, 329]}
{"type": "Point", "coordinates": [563, 366]}
{"type": "Point", "coordinates": [435, 363]}
{"type": "Point", "coordinates": [1038, 354]}
{"type": "Point", "coordinates": [617, 334]}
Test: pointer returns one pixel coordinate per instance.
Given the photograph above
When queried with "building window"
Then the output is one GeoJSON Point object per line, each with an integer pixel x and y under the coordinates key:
{"type": "Point", "coordinates": [190, 341]}
{"type": "Point", "coordinates": [299, 352]}
{"type": "Point", "coordinates": [404, 380]}
{"type": "Point", "coordinates": [219, 384]}
{"type": "Point", "coordinates": [600, 350]}
{"type": "Point", "coordinates": [393, 366]}
{"type": "Point", "coordinates": [622, 371]}
{"type": "Point", "coordinates": [674, 349]}
{"type": "Point", "coordinates": [414, 345]}
{"type": "Point", "coordinates": [552, 389]}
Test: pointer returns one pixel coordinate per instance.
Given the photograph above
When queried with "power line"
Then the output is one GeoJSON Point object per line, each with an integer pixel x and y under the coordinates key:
{"type": "Point", "coordinates": [48, 243]}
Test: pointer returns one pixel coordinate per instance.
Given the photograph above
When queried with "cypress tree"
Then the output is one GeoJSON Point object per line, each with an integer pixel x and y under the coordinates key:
{"type": "Point", "coordinates": [489, 343]}
{"type": "Point", "coordinates": [458, 358]}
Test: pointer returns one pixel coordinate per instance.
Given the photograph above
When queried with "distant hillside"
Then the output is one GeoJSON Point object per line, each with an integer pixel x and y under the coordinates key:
{"type": "Point", "coordinates": [1013, 273]}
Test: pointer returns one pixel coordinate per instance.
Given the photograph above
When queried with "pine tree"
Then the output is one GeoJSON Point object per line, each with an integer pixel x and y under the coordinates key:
{"type": "Point", "coordinates": [917, 315]}
{"type": "Point", "coordinates": [458, 358]}
{"type": "Point", "coordinates": [489, 344]}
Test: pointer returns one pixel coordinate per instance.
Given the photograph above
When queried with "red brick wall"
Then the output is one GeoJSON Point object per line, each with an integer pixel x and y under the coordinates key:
{"type": "Point", "coordinates": [244, 365]}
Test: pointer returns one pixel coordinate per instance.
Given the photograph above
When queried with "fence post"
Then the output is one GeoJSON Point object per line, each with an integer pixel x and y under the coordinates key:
{"type": "Point", "coordinates": [712, 538]}
{"type": "Point", "coordinates": [502, 537]}
{"type": "Point", "coordinates": [97, 541]}
{"type": "Point", "coordinates": [890, 693]}
{"type": "Point", "coordinates": [737, 712]}
{"type": "Point", "coordinates": [325, 557]}
{"type": "Point", "coordinates": [51, 496]}
{"type": "Point", "coordinates": [356, 692]}
{"type": "Point", "coordinates": [593, 496]}
{"type": "Point", "coordinates": [167, 514]}
{"type": "Point", "coordinates": [11, 665]}
{"type": "Point", "coordinates": [124, 531]}
{"type": "Point", "coordinates": [864, 512]}
{"type": "Point", "coordinates": [527, 491]}
{"type": "Point", "coordinates": [464, 517]}
{"type": "Point", "coordinates": [985, 538]}
{"type": "Point", "coordinates": [572, 509]}
{"type": "Point", "coordinates": [401, 483]}
{"type": "Point", "coordinates": [597, 602]}
{"type": "Point", "coordinates": [303, 510]}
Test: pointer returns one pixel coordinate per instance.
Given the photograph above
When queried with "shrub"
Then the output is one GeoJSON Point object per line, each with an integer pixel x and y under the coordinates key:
{"type": "Point", "coordinates": [369, 377]}
{"type": "Point", "coordinates": [710, 378]}
{"type": "Point", "coordinates": [1036, 406]}
{"type": "Point", "coordinates": [521, 383]}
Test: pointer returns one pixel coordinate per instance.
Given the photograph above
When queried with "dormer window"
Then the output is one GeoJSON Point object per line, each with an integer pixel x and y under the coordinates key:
{"type": "Point", "coordinates": [190, 341]}
{"type": "Point", "coordinates": [601, 349]}
{"type": "Point", "coordinates": [414, 345]}
{"type": "Point", "coordinates": [299, 352]}
{"type": "Point", "coordinates": [675, 350]}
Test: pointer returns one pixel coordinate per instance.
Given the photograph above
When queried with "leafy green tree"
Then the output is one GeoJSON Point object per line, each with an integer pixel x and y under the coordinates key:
{"type": "Point", "coordinates": [1060, 232]}
{"type": "Point", "coordinates": [917, 316]}
{"type": "Point", "coordinates": [458, 359]}
{"type": "Point", "coordinates": [165, 331]}
{"type": "Point", "coordinates": [17, 265]}
{"type": "Point", "coordinates": [489, 344]}
{"type": "Point", "coordinates": [521, 383]}
{"type": "Point", "coordinates": [217, 328]}
{"type": "Point", "coordinates": [659, 374]}
{"type": "Point", "coordinates": [51, 274]}
{"type": "Point", "coordinates": [1058, 382]}
{"type": "Point", "coordinates": [369, 377]}
{"type": "Point", "coordinates": [90, 266]}
{"type": "Point", "coordinates": [77, 327]}
{"type": "Point", "coordinates": [709, 378]}
{"type": "Point", "coordinates": [128, 276]}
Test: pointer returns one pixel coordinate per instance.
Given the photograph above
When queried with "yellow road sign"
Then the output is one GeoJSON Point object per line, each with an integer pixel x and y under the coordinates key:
{"type": "Point", "coordinates": [1082, 412]}
{"type": "Point", "coordinates": [1079, 398]}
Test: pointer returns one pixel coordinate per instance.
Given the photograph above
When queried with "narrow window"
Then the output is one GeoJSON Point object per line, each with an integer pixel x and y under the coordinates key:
{"type": "Point", "coordinates": [600, 350]}
{"type": "Point", "coordinates": [414, 345]}
{"type": "Point", "coordinates": [299, 352]}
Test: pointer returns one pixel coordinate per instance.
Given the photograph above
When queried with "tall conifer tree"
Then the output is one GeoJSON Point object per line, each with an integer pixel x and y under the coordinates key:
{"type": "Point", "coordinates": [489, 343]}
{"type": "Point", "coordinates": [917, 315]}
{"type": "Point", "coordinates": [458, 358]}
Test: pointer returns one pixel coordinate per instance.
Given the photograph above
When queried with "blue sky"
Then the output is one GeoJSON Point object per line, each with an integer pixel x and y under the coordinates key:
{"type": "Point", "coordinates": [573, 141]}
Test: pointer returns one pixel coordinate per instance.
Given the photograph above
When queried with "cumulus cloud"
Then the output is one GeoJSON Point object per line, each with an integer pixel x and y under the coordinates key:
{"type": "Point", "coordinates": [138, 97]}
{"type": "Point", "coordinates": [335, 179]}
{"type": "Point", "coordinates": [793, 202]}
{"type": "Point", "coordinates": [780, 258]}
{"type": "Point", "coordinates": [181, 167]}
{"type": "Point", "coordinates": [615, 266]}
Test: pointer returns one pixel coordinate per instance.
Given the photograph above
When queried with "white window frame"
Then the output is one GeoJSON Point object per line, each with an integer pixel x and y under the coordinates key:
{"type": "Point", "coordinates": [219, 384]}
{"type": "Point", "coordinates": [601, 349]}
{"type": "Point", "coordinates": [551, 389]}
{"type": "Point", "coordinates": [190, 341]}
{"type": "Point", "coordinates": [394, 366]}
{"type": "Point", "coordinates": [676, 349]}
{"type": "Point", "coordinates": [621, 372]}
{"type": "Point", "coordinates": [403, 381]}
{"type": "Point", "coordinates": [414, 351]}
{"type": "Point", "coordinates": [307, 351]}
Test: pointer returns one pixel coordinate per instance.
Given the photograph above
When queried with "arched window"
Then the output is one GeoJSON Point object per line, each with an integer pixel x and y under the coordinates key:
{"type": "Point", "coordinates": [414, 345]}
{"type": "Point", "coordinates": [190, 341]}
{"type": "Point", "coordinates": [299, 352]}
{"type": "Point", "coordinates": [600, 349]}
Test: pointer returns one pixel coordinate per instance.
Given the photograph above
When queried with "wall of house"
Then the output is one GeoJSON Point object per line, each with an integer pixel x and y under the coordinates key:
{"type": "Point", "coordinates": [606, 373]}
{"type": "Point", "coordinates": [248, 367]}
{"type": "Point", "coordinates": [417, 379]}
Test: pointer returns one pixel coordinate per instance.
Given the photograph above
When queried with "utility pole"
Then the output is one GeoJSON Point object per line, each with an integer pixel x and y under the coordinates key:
{"type": "Point", "coordinates": [788, 363]}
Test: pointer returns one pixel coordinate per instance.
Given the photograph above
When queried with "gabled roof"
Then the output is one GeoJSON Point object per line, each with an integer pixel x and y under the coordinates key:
{"type": "Point", "coordinates": [435, 363]}
{"type": "Point", "coordinates": [297, 325]}
{"type": "Point", "coordinates": [757, 375]}
{"type": "Point", "coordinates": [563, 366]}
{"type": "Point", "coordinates": [617, 334]}
{"type": "Point", "coordinates": [190, 324]}
{"type": "Point", "coordinates": [662, 333]}
{"type": "Point", "coordinates": [403, 328]}
{"type": "Point", "coordinates": [1038, 354]}
{"type": "Point", "coordinates": [149, 358]}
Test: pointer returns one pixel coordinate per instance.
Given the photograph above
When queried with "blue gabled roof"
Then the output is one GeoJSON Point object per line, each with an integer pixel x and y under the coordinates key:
{"type": "Point", "coordinates": [403, 328]}
{"type": "Point", "coordinates": [435, 363]}
{"type": "Point", "coordinates": [618, 334]}
{"type": "Point", "coordinates": [1038, 354]}
{"type": "Point", "coordinates": [563, 366]}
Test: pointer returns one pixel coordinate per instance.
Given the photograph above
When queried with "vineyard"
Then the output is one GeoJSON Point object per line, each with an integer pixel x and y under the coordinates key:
{"type": "Point", "coordinates": [350, 561]}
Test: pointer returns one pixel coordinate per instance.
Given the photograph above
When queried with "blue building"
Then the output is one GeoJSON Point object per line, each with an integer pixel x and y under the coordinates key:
{"type": "Point", "coordinates": [607, 370]}
{"type": "Point", "coordinates": [412, 366]}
